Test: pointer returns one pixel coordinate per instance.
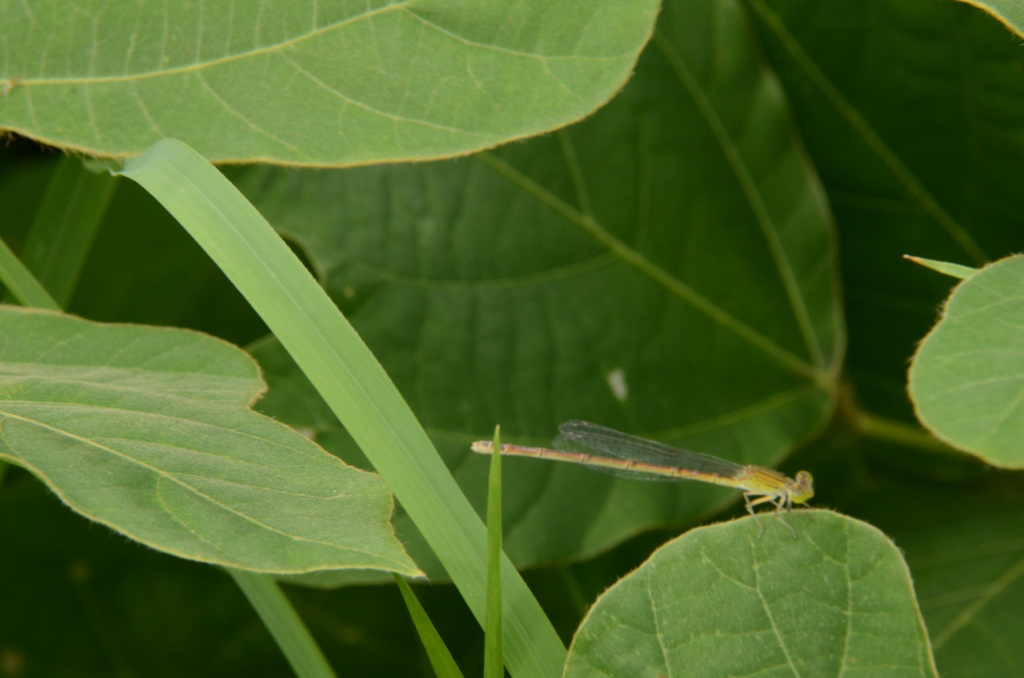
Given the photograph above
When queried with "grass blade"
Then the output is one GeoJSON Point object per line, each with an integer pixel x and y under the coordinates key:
{"type": "Point", "coordinates": [66, 224]}
{"type": "Point", "coordinates": [352, 382]}
{"type": "Point", "coordinates": [954, 270]}
{"type": "Point", "coordinates": [437, 652]}
{"type": "Point", "coordinates": [20, 282]}
{"type": "Point", "coordinates": [284, 624]}
{"type": "Point", "coordinates": [494, 667]}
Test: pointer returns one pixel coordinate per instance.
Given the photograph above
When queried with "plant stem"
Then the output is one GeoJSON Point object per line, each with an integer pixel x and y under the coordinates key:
{"type": "Point", "coordinates": [895, 431]}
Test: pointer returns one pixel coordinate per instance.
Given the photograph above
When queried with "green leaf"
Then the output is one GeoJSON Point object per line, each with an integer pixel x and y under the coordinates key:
{"type": "Point", "coordinates": [967, 377]}
{"type": "Point", "coordinates": [955, 270]}
{"type": "Point", "coordinates": [148, 431]}
{"type": "Point", "coordinates": [911, 141]}
{"type": "Point", "coordinates": [962, 543]}
{"type": "Point", "coordinates": [1009, 12]}
{"type": "Point", "coordinates": [665, 267]}
{"type": "Point", "coordinates": [341, 82]}
{"type": "Point", "coordinates": [719, 601]}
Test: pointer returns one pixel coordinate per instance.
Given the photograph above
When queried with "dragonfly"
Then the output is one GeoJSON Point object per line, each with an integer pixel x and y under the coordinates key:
{"type": "Point", "coordinates": [611, 451]}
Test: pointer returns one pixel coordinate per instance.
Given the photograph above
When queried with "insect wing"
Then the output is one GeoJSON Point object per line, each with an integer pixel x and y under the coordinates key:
{"type": "Point", "coordinates": [584, 437]}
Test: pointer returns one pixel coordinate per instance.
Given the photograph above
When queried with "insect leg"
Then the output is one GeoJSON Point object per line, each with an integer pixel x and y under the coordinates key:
{"type": "Point", "coordinates": [751, 503]}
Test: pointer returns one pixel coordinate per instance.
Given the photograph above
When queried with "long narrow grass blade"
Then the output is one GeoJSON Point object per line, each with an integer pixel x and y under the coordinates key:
{"type": "Point", "coordinates": [437, 652]}
{"type": "Point", "coordinates": [352, 382]}
{"type": "Point", "coordinates": [20, 282]}
{"type": "Point", "coordinates": [65, 226]}
{"type": "Point", "coordinates": [494, 666]}
{"type": "Point", "coordinates": [955, 270]}
{"type": "Point", "coordinates": [284, 624]}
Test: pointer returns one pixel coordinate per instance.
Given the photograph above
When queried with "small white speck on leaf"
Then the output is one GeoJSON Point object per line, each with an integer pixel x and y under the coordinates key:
{"type": "Point", "coordinates": [617, 383]}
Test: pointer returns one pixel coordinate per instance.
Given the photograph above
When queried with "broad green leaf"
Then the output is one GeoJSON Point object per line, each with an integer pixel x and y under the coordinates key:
{"type": "Point", "coordinates": [1010, 12]}
{"type": "Point", "coordinates": [664, 267]}
{"type": "Point", "coordinates": [957, 522]}
{"type": "Point", "coordinates": [962, 543]}
{"type": "Point", "coordinates": [967, 378]}
{"type": "Point", "coordinates": [916, 143]}
{"type": "Point", "coordinates": [837, 601]}
{"type": "Point", "coordinates": [336, 82]}
{"type": "Point", "coordinates": [148, 431]}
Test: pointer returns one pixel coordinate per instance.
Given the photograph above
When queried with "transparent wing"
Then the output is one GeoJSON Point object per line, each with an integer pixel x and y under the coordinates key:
{"type": "Point", "coordinates": [586, 438]}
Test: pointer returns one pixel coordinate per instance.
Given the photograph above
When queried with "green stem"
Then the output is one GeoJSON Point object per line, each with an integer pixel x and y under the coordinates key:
{"type": "Point", "coordinates": [575, 591]}
{"type": "Point", "coordinates": [895, 431]}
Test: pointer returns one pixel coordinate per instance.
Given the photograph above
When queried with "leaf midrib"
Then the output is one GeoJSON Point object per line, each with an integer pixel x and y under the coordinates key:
{"type": "Point", "coordinates": [402, 6]}
{"type": "Point", "coordinates": [914, 188]}
{"type": "Point", "coordinates": [750, 191]}
{"type": "Point", "coordinates": [671, 283]}
{"type": "Point", "coordinates": [166, 475]}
